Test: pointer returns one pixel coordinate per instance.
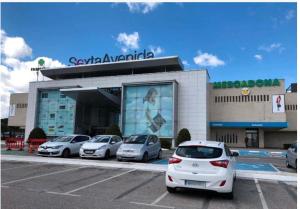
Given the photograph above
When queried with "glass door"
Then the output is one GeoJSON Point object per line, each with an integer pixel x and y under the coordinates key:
{"type": "Point", "coordinates": [251, 139]}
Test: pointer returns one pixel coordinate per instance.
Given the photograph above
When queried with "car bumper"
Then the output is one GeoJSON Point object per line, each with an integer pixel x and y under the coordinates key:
{"type": "Point", "coordinates": [210, 181]}
{"type": "Point", "coordinates": [49, 152]}
{"type": "Point", "coordinates": [127, 156]}
{"type": "Point", "coordinates": [95, 154]}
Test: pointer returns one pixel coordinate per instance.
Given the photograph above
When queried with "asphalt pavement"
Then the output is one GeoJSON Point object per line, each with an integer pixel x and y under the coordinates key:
{"type": "Point", "coordinates": [28, 185]}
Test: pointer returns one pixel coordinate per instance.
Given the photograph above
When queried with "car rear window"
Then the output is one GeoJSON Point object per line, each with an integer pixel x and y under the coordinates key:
{"type": "Point", "coordinates": [199, 152]}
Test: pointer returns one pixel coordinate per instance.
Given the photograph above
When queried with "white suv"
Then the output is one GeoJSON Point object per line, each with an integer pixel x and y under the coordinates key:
{"type": "Point", "coordinates": [204, 165]}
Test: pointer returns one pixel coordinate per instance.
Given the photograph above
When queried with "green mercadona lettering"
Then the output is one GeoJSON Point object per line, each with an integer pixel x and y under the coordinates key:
{"type": "Point", "coordinates": [249, 83]}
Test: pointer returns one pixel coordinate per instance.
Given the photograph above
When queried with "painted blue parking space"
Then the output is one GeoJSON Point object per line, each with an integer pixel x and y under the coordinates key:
{"type": "Point", "coordinates": [268, 167]}
{"type": "Point", "coordinates": [260, 153]}
{"type": "Point", "coordinates": [256, 167]}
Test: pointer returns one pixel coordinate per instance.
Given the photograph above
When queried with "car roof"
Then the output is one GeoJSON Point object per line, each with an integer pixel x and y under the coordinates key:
{"type": "Point", "coordinates": [106, 135]}
{"type": "Point", "coordinates": [202, 143]}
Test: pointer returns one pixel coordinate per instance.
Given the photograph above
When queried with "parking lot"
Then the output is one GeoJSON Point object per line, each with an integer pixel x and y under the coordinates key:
{"type": "Point", "coordinates": [41, 185]}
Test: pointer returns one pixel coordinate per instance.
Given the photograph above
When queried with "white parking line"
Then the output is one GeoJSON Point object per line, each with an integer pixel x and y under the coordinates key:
{"type": "Point", "coordinates": [274, 167]}
{"type": "Point", "coordinates": [24, 166]}
{"type": "Point", "coordinates": [58, 193]}
{"type": "Point", "coordinates": [97, 182]}
{"type": "Point", "coordinates": [38, 176]}
{"type": "Point", "coordinates": [151, 205]}
{"type": "Point", "coordinates": [159, 198]}
{"type": "Point", "coordinates": [154, 203]}
{"type": "Point", "coordinates": [261, 195]}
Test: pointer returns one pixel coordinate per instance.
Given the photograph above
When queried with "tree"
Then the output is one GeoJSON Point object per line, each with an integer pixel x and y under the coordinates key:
{"type": "Point", "coordinates": [37, 133]}
{"type": "Point", "coordinates": [113, 130]}
{"type": "Point", "coordinates": [183, 135]}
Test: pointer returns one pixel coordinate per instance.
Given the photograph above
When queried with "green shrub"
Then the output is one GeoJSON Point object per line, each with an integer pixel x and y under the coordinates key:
{"type": "Point", "coordinates": [166, 143]}
{"type": "Point", "coordinates": [183, 135]}
{"type": "Point", "coordinates": [37, 133]}
{"type": "Point", "coordinates": [113, 130]}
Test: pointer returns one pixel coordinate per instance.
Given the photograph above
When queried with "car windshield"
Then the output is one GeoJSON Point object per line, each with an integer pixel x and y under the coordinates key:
{"type": "Point", "coordinates": [63, 138]}
{"type": "Point", "coordinates": [199, 152]}
{"type": "Point", "coordinates": [136, 139]}
{"type": "Point", "coordinates": [100, 139]}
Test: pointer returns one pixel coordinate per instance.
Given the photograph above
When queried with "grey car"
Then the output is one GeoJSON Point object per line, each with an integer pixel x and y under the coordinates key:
{"type": "Point", "coordinates": [140, 148]}
{"type": "Point", "coordinates": [291, 156]}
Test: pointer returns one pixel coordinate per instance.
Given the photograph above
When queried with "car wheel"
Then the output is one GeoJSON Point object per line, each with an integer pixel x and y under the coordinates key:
{"type": "Point", "coordinates": [66, 153]}
{"type": "Point", "coordinates": [287, 163]}
{"type": "Point", "coordinates": [145, 157]}
{"type": "Point", "coordinates": [159, 155]}
{"type": "Point", "coordinates": [229, 195]}
{"type": "Point", "coordinates": [171, 190]}
{"type": "Point", "coordinates": [107, 154]}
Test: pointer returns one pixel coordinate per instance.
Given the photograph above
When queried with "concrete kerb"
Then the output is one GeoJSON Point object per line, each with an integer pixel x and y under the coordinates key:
{"type": "Point", "coordinates": [261, 175]}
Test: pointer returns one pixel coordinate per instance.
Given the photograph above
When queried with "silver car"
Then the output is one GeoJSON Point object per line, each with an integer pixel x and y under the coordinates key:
{"type": "Point", "coordinates": [64, 146]}
{"type": "Point", "coordinates": [140, 148]}
{"type": "Point", "coordinates": [101, 146]}
{"type": "Point", "coordinates": [291, 156]}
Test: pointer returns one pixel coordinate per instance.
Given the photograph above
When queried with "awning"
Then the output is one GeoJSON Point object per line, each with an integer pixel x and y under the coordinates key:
{"type": "Point", "coordinates": [249, 124]}
{"type": "Point", "coordinates": [93, 96]}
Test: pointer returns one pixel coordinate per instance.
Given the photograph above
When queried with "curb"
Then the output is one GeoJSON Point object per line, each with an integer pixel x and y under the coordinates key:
{"type": "Point", "coordinates": [262, 175]}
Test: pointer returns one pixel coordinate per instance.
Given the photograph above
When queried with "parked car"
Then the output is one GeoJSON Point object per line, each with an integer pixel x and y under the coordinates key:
{"type": "Point", "coordinates": [101, 146]}
{"type": "Point", "coordinates": [64, 146]}
{"type": "Point", "coordinates": [291, 156]}
{"type": "Point", "coordinates": [204, 165]}
{"type": "Point", "coordinates": [140, 148]}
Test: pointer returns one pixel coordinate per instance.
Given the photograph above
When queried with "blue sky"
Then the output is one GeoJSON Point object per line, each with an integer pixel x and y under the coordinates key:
{"type": "Point", "coordinates": [234, 41]}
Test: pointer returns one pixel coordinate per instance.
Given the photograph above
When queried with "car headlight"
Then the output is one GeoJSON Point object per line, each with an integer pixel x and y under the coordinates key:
{"type": "Point", "coordinates": [57, 147]}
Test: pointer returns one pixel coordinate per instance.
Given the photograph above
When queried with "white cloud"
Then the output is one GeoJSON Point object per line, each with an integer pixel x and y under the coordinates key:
{"type": "Point", "coordinates": [290, 15]}
{"type": "Point", "coordinates": [157, 50]}
{"type": "Point", "coordinates": [184, 62]}
{"type": "Point", "coordinates": [142, 7]}
{"type": "Point", "coordinates": [16, 73]}
{"type": "Point", "coordinates": [271, 47]}
{"type": "Point", "coordinates": [14, 47]}
{"type": "Point", "coordinates": [128, 41]}
{"type": "Point", "coordinates": [208, 60]}
{"type": "Point", "coordinates": [258, 57]}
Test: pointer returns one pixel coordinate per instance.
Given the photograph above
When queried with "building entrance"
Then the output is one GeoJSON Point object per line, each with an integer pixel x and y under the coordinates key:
{"type": "Point", "coordinates": [252, 139]}
{"type": "Point", "coordinates": [96, 109]}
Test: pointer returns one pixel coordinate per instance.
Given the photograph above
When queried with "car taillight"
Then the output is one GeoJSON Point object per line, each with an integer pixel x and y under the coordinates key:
{"type": "Point", "coordinates": [174, 160]}
{"type": "Point", "coordinates": [220, 163]}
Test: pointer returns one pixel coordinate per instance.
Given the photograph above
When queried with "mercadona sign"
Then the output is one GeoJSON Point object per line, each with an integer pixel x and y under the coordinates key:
{"type": "Point", "coordinates": [249, 83]}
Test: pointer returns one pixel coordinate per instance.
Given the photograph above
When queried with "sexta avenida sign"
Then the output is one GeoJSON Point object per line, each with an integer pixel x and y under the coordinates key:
{"type": "Point", "coordinates": [107, 58]}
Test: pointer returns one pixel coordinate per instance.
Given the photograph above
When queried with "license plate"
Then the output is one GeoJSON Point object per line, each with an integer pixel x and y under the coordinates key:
{"type": "Point", "coordinates": [89, 152]}
{"type": "Point", "coordinates": [195, 183]}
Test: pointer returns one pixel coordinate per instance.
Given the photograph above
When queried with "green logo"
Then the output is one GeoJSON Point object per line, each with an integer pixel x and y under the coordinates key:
{"type": "Point", "coordinates": [249, 83]}
{"type": "Point", "coordinates": [41, 62]}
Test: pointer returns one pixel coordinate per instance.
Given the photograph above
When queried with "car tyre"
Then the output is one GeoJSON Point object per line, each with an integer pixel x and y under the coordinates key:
{"type": "Point", "coordinates": [287, 163]}
{"type": "Point", "coordinates": [66, 153]}
{"type": "Point", "coordinates": [229, 195]}
{"type": "Point", "coordinates": [145, 157]}
{"type": "Point", "coordinates": [107, 154]}
{"type": "Point", "coordinates": [171, 190]}
{"type": "Point", "coordinates": [159, 154]}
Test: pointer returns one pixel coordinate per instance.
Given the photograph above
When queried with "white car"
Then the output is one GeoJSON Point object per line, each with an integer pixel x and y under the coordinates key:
{"type": "Point", "coordinates": [101, 146]}
{"type": "Point", "coordinates": [64, 146]}
{"type": "Point", "coordinates": [204, 165]}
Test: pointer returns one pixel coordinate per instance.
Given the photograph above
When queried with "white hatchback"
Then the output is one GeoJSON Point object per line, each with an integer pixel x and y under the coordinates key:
{"type": "Point", "coordinates": [101, 146]}
{"type": "Point", "coordinates": [204, 165]}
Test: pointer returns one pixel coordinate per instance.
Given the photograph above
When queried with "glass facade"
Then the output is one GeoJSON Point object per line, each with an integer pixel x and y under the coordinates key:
{"type": "Point", "coordinates": [56, 113]}
{"type": "Point", "coordinates": [148, 109]}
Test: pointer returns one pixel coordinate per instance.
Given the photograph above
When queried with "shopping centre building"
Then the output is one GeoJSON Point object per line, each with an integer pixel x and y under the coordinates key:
{"type": "Point", "coordinates": [157, 96]}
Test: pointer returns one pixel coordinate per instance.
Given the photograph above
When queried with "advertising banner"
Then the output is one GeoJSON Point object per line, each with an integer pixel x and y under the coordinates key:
{"type": "Point", "coordinates": [148, 109]}
{"type": "Point", "coordinates": [278, 103]}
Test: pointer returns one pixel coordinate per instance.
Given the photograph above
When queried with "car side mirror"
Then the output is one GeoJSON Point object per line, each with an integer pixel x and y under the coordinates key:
{"type": "Point", "coordinates": [235, 154]}
{"type": "Point", "coordinates": [150, 143]}
{"type": "Point", "coordinates": [112, 142]}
